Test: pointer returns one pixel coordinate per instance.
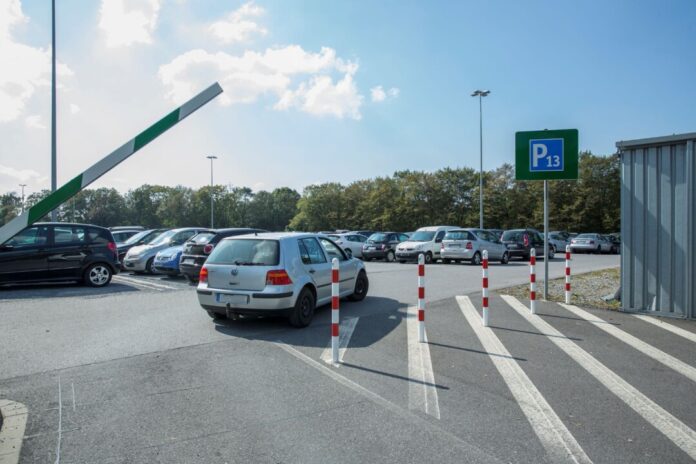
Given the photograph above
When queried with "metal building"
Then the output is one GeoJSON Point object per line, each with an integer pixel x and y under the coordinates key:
{"type": "Point", "coordinates": [658, 235]}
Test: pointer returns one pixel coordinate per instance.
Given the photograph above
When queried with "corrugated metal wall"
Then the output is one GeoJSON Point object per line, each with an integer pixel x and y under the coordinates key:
{"type": "Point", "coordinates": [658, 206]}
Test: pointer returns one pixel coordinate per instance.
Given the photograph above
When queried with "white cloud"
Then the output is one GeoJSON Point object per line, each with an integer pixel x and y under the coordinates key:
{"type": "Point", "coordinates": [34, 121]}
{"type": "Point", "coordinates": [21, 175]}
{"type": "Point", "coordinates": [238, 26]}
{"type": "Point", "coordinates": [29, 68]}
{"type": "Point", "coordinates": [247, 77]}
{"type": "Point", "coordinates": [377, 94]}
{"type": "Point", "coordinates": [127, 22]}
{"type": "Point", "coordinates": [321, 97]}
{"type": "Point", "coordinates": [74, 109]}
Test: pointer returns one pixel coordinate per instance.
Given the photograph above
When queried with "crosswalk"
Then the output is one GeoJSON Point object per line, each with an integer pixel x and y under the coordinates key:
{"type": "Point", "coordinates": [564, 420]}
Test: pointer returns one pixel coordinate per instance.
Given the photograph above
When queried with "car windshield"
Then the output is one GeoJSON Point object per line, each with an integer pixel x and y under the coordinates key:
{"type": "Point", "coordinates": [512, 235]}
{"type": "Point", "coordinates": [135, 238]}
{"type": "Point", "coordinates": [378, 238]}
{"type": "Point", "coordinates": [246, 252]}
{"type": "Point", "coordinates": [163, 238]}
{"type": "Point", "coordinates": [422, 236]}
{"type": "Point", "coordinates": [203, 237]}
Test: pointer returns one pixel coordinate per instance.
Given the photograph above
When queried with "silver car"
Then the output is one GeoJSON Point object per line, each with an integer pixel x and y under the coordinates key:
{"type": "Point", "coordinates": [268, 274]}
{"type": "Point", "coordinates": [142, 258]}
{"type": "Point", "coordinates": [469, 244]}
{"type": "Point", "coordinates": [591, 243]}
{"type": "Point", "coordinates": [351, 243]}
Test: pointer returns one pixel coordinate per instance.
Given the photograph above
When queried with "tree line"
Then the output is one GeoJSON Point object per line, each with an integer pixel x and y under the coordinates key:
{"type": "Point", "coordinates": [404, 201]}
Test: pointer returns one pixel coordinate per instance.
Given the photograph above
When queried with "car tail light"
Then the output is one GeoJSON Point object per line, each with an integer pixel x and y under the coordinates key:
{"type": "Point", "coordinates": [384, 246]}
{"type": "Point", "coordinates": [113, 248]}
{"type": "Point", "coordinates": [442, 246]}
{"type": "Point", "coordinates": [278, 277]}
{"type": "Point", "coordinates": [591, 242]}
{"type": "Point", "coordinates": [469, 246]}
{"type": "Point", "coordinates": [203, 276]}
{"type": "Point", "coordinates": [208, 248]}
{"type": "Point", "coordinates": [525, 237]}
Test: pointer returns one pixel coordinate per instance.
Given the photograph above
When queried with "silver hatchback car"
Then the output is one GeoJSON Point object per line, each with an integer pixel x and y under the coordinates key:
{"type": "Point", "coordinates": [469, 244]}
{"type": "Point", "coordinates": [268, 274]}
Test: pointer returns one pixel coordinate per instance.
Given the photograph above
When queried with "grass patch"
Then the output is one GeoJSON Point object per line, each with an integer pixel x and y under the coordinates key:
{"type": "Point", "coordinates": [587, 289]}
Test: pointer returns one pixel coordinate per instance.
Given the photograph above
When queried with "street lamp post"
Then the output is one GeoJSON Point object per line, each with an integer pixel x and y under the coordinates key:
{"type": "Point", "coordinates": [481, 94]}
{"type": "Point", "coordinates": [54, 179]}
{"type": "Point", "coordinates": [22, 185]}
{"type": "Point", "coordinates": [212, 216]}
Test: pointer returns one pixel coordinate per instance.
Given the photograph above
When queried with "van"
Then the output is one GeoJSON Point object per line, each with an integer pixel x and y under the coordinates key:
{"type": "Point", "coordinates": [425, 241]}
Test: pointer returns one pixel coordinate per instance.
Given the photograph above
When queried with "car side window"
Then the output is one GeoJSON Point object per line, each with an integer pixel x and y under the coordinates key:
{"type": "Point", "coordinates": [332, 250]}
{"type": "Point", "coordinates": [311, 251]}
{"type": "Point", "coordinates": [69, 235]}
{"type": "Point", "coordinates": [33, 236]}
{"type": "Point", "coordinates": [438, 237]}
{"type": "Point", "coordinates": [98, 237]}
{"type": "Point", "coordinates": [361, 238]}
{"type": "Point", "coordinates": [403, 237]}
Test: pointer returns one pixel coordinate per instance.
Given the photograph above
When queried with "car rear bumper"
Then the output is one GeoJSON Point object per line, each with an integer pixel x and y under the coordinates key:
{"type": "Point", "coordinates": [457, 254]}
{"type": "Point", "coordinates": [374, 254]}
{"type": "Point", "coordinates": [249, 302]}
{"type": "Point", "coordinates": [138, 264]}
{"type": "Point", "coordinates": [191, 269]}
{"type": "Point", "coordinates": [583, 248]}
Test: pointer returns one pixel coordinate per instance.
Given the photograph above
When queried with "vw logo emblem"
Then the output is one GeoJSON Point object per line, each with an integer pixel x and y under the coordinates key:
{"type": "Point", "coordinates": [234, 271]}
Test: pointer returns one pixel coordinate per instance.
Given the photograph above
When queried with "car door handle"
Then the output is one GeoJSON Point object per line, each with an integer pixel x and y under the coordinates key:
{"type": "Point", "coordinates": [312, 271]}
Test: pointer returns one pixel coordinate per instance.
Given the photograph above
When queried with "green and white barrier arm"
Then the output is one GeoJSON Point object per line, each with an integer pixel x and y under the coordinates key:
{"type": "Point", "coordinates": [107, 163]}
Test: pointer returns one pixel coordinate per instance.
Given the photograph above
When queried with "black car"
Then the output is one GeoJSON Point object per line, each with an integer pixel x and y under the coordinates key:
{"type": "Point", "coordinates": [519, 243]}
{"type": "Point", "coordinates": [141, 238]}
{"type": "Point", "coordinates": [382, 245]}
{"type": "Point", "coordinates": [197, 249]}
{"type": "Point", "coordinates": [59, 252]}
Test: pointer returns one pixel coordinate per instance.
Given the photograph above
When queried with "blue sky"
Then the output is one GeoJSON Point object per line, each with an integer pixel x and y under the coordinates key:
{"type": "Point", "coordinates": [614, 70]}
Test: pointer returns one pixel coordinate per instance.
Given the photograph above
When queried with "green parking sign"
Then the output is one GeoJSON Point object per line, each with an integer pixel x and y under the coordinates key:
{"type": "Point", "coordinates": [546, 154]}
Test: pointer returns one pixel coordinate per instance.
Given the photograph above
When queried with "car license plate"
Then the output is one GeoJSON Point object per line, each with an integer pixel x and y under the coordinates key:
{"type": "Point", "coordinates": [232, 299]}
{"type": "Point", "coordinates": [371, 248]}
{"type": "Point", "coordinates": [452, 245]}
{"type": "Point", "coordinates": [187, 261]}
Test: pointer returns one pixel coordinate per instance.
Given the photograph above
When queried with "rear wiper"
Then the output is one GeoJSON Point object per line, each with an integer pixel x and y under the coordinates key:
{"type": "Point", "coordinates": [248, 263]}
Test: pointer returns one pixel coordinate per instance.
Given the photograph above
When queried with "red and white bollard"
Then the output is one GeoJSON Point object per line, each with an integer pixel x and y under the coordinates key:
{"type": "Point", "coordinates": [532, 280]}
{"type": "Point", "coordinates": [484, 289]}
{"type": "Point", "coordinates": [334, 310]}
{"type": "Point", "coordinates": [567, 275]}
{"type": "Point", "coordinates": [421, 298]}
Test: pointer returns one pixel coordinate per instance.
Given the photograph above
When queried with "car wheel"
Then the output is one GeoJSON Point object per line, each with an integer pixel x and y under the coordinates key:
{"type": "Point", "coordinates": [361, 287]}
{"type": "Point", "coordinates": [428, 258]}
{"type": "Point", "coordinates": [349, 252]}
{"type": "Point", "coordinates": [216, 316]}
{"type": "Point", "coordinates": [150, 266]}
{"type": "Point", "coordinates": [390, 256]}
{"type": "Point", "coordinates": [552, 253]}
{"type": "Point", "coordinates": [303, 312]}
{"type": "Point", "coordinates": [98, 275]}
{"type": "Point", "coordinates": [446, 261]}
{"type": "Point", "coordinates": [476, 259]}
{"type": "Point", "coordinates": [401, 261]}
{"type": "Point", "coordinates": [505, 259]}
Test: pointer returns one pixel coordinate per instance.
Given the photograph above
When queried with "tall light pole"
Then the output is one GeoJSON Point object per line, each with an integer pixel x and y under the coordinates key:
{"type": "Point", "coordinates": [212, 216]}
{"type": "Point", "coordinates": [54, 180]}
{"type": "Point", "coordinates": [481, 94]}
{"type": "Point", "coordinates": [22, 185]}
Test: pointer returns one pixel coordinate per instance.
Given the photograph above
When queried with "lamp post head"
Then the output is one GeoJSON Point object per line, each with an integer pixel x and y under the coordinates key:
{"type": "Point", "coordinates": [211, 157]}
{"type": "Point", "coordinates": [480, 93]}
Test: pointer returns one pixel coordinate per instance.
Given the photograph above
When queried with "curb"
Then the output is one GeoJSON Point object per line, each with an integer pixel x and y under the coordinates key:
{"type": "Point", "coordinates": [14, 420]}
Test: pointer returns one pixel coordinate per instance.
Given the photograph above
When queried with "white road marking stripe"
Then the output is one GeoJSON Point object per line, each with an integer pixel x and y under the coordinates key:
{"type": "Point", "coordinates": [422, 393]}
{"type": "Point", "coordinates": [138, 284]}
{"type": "Point", "coordinates": [667, 326]}
{"type": "Point", "coordinates": [345, 331]}
{"type": "Point", "coordinates": [60, 422]}
{"type": "Point", "coordinates": [133, 281]}
{"type": "Point", "coordinates": [467, 447]}
{"type": "Point", "coordinates": [649, 350]}
{"type": "Point", "coordinates": [556, 439]}
{"type": "Point", "coordinates": [674, 429]}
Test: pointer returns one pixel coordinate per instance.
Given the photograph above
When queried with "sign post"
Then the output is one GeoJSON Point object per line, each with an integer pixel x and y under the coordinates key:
{"type": "Point", "coordinates": [546, 155]}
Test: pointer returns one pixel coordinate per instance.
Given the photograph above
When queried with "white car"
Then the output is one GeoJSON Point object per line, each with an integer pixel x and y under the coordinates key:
{"type": "Point", "coordinates": [425, 241]}
{"type": "Point", "coordinates": [351, 243]}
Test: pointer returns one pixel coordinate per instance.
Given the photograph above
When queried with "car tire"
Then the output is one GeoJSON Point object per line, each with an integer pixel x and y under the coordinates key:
{"type": "Point", "coordinates": [551, 253]}
{"type": "Point", "coordinates": [150, 266]}
{"type": "Point", "coordinates": [401, 261]}
{"type": "Point", "coordinates": [349, 252]}
{"type": "Point", "coordinates": [390, 257]}
{"type": "Point", "coordinates": [303, 312]}
{"type": "Point", "coordinates": [98, 275]}
{"type": "Point", "coordinates": [446, 261]}
{"type": "Point", "coordinates": [216, 316]}
{"type": "Point", "coordinates": [505, 259]}
{"type": "Point", "coordinates": [428, 258]}
{"type": "Point", "coordinates": [362, 285]}
{"type": "Point", "coordinates": [476, 259]}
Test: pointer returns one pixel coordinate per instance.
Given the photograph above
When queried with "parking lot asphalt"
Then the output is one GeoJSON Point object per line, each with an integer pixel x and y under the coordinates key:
{"type": "Point", "coordinates": [139, 373]}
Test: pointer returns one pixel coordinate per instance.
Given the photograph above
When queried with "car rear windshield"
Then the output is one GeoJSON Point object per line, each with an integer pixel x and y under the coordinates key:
{"type": "Point", "coordinates": [422, 236]}
{"type": "Point", "coordinates": [378, 238]}
{"type": "Point", "coordinates": [246, 252]}
{"type": "Point", "coordinates": [586, 236]}
{"type": "Point", "coordinates": [513, 235]}
{"type": "Point", "coordinates": [458, 235]}
{"type": "Point", "coordinates": [202, 238]}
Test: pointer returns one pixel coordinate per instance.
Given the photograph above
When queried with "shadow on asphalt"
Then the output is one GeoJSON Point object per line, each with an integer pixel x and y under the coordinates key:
{"type": "Point", "coordinates": [378, 317]}
{"type": "Point", "coordinates": [61, 290]}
